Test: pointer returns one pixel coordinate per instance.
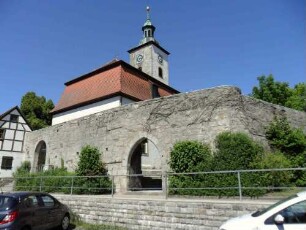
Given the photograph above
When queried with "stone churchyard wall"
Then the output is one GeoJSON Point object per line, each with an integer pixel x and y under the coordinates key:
{"type": "Point", "coordinates": [157, 213]}
{"type": "Point", "coordinates": [199, 115]}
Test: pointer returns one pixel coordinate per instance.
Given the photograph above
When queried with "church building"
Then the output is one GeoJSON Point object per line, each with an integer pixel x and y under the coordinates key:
{"type": "Point", "coordinates": [118, 83]}
{"type": "Point", "coordinates": [117, 109]}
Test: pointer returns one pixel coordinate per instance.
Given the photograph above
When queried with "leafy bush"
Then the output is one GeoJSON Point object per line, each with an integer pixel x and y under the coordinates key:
{"type": "Point", "coordinates": [90, 166]}
{"type": "Point", "coordinates": [281, 136]}
{"type": "Point", "coordinates": [189, 156]}
{"type": "Point", "coordinates": [25, 168]}
{"type": "Point", "coordinates": [84, 181]}
{"type": "Point", "coordinates": [54, 180]}
{"type": "Point", "coordinates": [276, 160]}
{"type": "Point", "coordinates": [186, 157]}
{"type": "Point", "coordinates": [292, 143]}
{"type": "Point", "coordinates": [235, 151]}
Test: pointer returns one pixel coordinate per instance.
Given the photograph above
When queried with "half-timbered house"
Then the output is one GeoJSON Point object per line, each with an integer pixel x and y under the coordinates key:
{"type": "Point", "coordinates": [13, 127]}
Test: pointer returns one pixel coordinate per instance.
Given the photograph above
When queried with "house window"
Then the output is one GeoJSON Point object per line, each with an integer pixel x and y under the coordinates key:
{"type": "Point", "coordinates": [160, 72]}
{"type": "Point", "coordinates": [2, 132]}
{"type": "Point", "coordinates": [7, 163]}
{"type": "Point", "coordinates": [14, 118]}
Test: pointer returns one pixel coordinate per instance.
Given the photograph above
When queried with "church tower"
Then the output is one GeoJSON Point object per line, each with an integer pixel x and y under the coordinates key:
{"type": "Point", "coordinates": [149, 56]}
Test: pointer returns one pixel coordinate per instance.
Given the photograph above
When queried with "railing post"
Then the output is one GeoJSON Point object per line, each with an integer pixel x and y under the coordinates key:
{"type": "Point", "coordinates": [166, 185]}
{"type": "Point", "coordinates": [71, 189]}
{"type": "Point", "coordinates": [40, 184]}
{"type": "Point", "coordinates": [112, 185]}
{"type": "Point", "coordinates": [239, 186]}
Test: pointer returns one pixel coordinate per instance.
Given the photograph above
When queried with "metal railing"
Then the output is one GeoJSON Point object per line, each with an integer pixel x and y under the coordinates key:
{"type": "Point", "coordinates": [239, 183]}
{"type": "Point", "coordinates": [243, 182]}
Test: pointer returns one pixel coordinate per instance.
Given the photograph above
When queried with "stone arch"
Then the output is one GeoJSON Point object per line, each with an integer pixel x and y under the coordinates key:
{"type": "Point", "coordinates": [40, 156]}
{"type": "Point", "coordinates": [144, 164]}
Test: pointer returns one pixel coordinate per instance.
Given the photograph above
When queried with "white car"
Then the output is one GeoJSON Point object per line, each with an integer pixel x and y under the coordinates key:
{"type": "Point", "coordinates": [287, 214]}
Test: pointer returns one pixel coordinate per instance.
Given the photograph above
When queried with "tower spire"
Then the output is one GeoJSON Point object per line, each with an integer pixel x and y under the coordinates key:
{"type": "Point", "coordinates": [149, 56]}
{"type": "Point", "coordinates": [148, 29]}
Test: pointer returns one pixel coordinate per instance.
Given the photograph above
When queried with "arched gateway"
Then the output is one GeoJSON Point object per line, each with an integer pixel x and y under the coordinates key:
{"type": "Point", "coordinates": [40, 156]}
{"type": "Point", "coordinates": [144, 166]}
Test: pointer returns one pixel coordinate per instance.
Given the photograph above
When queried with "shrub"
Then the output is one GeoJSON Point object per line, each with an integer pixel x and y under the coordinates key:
{"type": "Point", "coordinates": [190, 156]}
{"type": "Point", "coordinates": [89, 167]}
{"type": "Point", "coordinates": [54, 180]}
{"type": "Point", "coordinates": [276, 160]}
{"type": "Point", "coordinates": [235, 151]}
{"type": "Point", "coordinates": [25, 167]}
{"type": "Point", "coordinates": [186, 157]}
{"type": "Point", "coordinates": [281, 136]}
{"type": "Point", "coordinates": [292, 142]}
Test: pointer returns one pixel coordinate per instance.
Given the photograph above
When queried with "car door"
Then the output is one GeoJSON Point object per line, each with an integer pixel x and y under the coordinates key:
{"type": "Point", "coordinates": [51, 207]}
{"type": "Point", "coordinates": [294, 218]}
{"type": "Point", "coordinates": [31, 213]}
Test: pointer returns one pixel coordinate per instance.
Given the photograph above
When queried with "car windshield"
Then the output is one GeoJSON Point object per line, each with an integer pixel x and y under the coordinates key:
{"type": "Point", "coordinates": [7, 202]}
{"type": "Point", "coordinates": [260, 212]}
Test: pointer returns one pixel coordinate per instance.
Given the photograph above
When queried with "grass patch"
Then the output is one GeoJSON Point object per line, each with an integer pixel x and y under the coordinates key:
{"type": "Point", "coordinates": [87, 226]}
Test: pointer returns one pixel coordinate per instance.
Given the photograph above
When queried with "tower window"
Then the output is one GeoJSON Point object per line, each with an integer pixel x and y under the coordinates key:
{"type": "Point", "coordinates": [149, 33]}
{"type": "Point", "coordinates": [160, 72]}
{"type": "Point", "coordinates": [155, 92]}
{"type": "Point", "coordinates": [146, 34]}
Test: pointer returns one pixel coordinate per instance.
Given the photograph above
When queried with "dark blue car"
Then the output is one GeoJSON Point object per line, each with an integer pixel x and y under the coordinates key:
{"type": "Point", "coordinates": [32, 211]}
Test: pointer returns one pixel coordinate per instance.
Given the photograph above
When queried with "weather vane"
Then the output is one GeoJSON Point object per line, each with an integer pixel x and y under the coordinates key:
{"type": "Point", "coordinates": [148, 12]}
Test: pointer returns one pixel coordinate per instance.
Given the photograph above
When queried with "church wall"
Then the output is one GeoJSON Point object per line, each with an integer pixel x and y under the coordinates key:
{"type": "Point", "coordinates": [125, 101]}
{"type": "Point", "coordinates": [199, 115]}
{"type": "Point", "coordinates": [86, 110]}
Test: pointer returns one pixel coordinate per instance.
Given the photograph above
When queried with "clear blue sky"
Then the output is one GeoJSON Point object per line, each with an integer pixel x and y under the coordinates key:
{"type": "Point", "coordinates": [44, 44]}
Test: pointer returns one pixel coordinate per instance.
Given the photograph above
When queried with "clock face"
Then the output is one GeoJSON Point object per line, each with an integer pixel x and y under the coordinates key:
{"type": "Point", "coordinates": [139, 58]}
{"type": "Point", "coordinates": [160, 59]}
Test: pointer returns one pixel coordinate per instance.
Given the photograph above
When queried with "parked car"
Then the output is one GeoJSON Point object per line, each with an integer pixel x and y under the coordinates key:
{"type": "Point", "coordinates": [32, 211]}
{"type": "Point", "coordinates": [287, 214]}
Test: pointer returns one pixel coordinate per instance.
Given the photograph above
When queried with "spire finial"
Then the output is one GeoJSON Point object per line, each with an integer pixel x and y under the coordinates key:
{"type": "Point", "coordinates": [148, 12]}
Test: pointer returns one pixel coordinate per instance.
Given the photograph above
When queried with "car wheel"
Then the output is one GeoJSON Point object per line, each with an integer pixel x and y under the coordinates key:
{"type": "Point", "coordinates": [26, 228]}
{"type": "Point", "coordinates": [65, 222]}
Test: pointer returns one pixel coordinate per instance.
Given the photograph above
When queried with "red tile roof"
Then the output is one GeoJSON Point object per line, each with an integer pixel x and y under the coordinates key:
{"type": "Point", "coordinates": [115, 78]}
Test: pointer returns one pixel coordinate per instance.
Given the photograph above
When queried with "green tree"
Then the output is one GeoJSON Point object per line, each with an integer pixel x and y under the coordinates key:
{"type": "Point", "coordinates": [280, 93]}
{"type": "Point", "coordinates": [272, 91]}
{"type": "Point", "coordinates": [298, 98]}
{"type": "Point", "coordinates": [36, 109]}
